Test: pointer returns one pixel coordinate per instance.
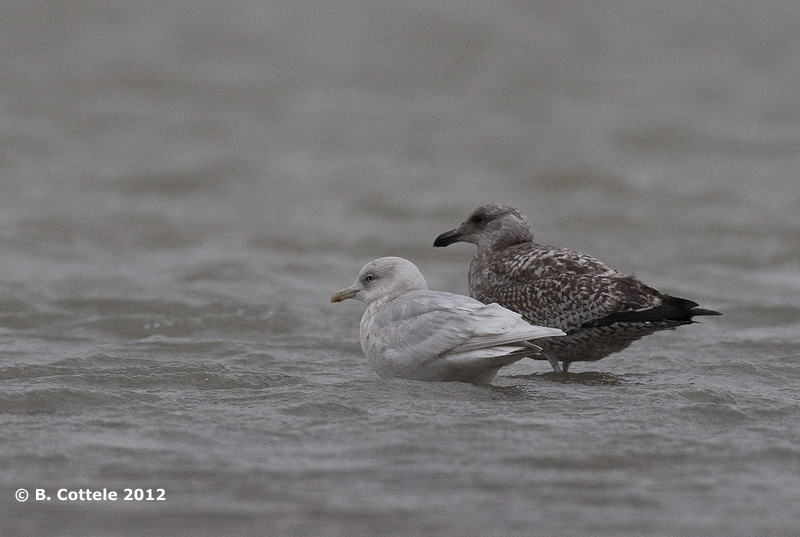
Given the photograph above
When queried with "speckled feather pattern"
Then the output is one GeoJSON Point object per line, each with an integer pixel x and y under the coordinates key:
{"type": "Point", "coordinates": [552, 286]}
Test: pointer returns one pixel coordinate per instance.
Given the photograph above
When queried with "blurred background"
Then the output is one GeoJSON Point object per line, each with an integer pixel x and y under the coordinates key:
{"type": "Point", "coordinates": [184, 184]}
{"type": "Point", "coordinates": [147, 144]}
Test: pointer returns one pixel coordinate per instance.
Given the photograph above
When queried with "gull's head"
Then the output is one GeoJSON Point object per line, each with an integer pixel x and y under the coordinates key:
{"type": "Point", "coordinates": [383, 278]}
{"type": "Point", "coordinates": [490, 226]}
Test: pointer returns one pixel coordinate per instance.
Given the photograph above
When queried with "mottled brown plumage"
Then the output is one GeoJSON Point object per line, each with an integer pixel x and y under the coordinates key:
{"type": "Point", "coordinates": [602, 310]}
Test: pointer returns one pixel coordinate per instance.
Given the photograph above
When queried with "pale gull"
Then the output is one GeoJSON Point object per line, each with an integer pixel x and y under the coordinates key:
{"type": "Point", "coordinates": [601, 310]}
{"type": "Point", "coordinates": [410, 332]}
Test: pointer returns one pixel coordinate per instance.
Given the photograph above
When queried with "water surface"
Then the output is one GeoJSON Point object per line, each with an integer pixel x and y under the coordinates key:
{"type": "Point", "coordinates": [184, 184]}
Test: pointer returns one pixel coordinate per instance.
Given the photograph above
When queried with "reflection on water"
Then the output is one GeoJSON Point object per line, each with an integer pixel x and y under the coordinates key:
{"type": "Point", "coordinates": [588, 378]}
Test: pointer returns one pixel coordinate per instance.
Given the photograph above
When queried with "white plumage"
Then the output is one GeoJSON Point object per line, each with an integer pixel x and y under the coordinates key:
{"type": "Point", "coordinates": [408, 331]}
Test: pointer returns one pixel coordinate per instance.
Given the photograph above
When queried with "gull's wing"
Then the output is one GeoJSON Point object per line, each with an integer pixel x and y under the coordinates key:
{"type": "Point", "coordinates": [573, 300]}
{"type": "Point", "coordinates": [495, 325]}
{"type": "Point", "coordinates": [427, 324]}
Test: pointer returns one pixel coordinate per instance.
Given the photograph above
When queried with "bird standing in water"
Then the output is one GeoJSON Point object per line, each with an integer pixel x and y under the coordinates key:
{"type": "Point", "coordinates": [601, 310]}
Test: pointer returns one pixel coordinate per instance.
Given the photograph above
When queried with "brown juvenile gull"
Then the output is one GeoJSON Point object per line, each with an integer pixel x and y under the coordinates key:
{"type": "Point", "coordinates": [408, 331]}
{"type": "Point", "coordinates": [601, 310]}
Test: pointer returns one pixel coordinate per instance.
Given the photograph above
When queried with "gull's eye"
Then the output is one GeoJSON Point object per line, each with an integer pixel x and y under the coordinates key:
{"type": "Point", "coordinates": [479, 219]}
{"type": "Point", "coordinates": [369, 278]}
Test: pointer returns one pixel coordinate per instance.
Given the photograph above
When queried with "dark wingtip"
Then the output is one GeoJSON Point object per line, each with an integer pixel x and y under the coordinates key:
{"type": "Point", "coordinates": [677, 310]}
{"type": "Point", "coordinates": [701, 311]}
{"type": "Point", "coordinates": [447, 238]}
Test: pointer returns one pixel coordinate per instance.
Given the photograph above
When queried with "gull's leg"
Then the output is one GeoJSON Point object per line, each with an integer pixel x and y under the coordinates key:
{"type": "Point", "coordinates": [538, 350]}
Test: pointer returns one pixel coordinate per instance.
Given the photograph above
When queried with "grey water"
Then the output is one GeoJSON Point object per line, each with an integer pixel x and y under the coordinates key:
{"type": "Point", "coordinates": [184, 184]}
